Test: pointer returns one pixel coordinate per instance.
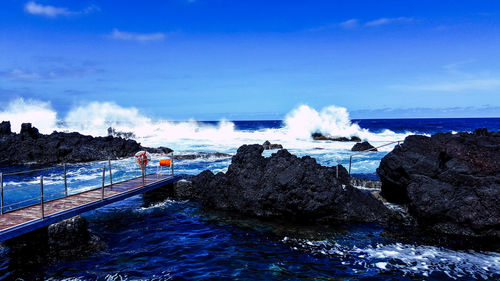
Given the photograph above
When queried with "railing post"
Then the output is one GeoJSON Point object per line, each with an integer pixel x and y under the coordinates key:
{"type": "Point", "coordinates": [350, 161]}
{"type": "Point", "coordinates": [110, 174]}
{"type": "Point", "coordinates": [172, 163]}
{"type": "Point", "coordinates": [1, 193]}
{"type": "Point", "coordinates": [65, 181]}
{"type": "Point", "coordinates": [103, 176]}
{"type": "Point", "coordinates": [142, 169]}
{"type": "Point", "coordinates": [41, 197]}
{"type": "Point", "coordinates": [337, 170]}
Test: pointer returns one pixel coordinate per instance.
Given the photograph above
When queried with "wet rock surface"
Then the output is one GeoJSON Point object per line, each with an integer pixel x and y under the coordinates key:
{"type": "Point", "coordinates": [201, 155]}
{"type": "Point", "coordinates": [450, 182]}
{"type": "Point", "coordinates": [362, 146]}
{"type": "Point", "coordinates": [270, 146]}
{"type": "Point", "coordinates": [65, 240]}
{"type": "Point", "coordinates": [29, 146]}
{"type": "Point", "coordinates": [320, 136]}
{"type": "Point", "coordinates": [283, 186]}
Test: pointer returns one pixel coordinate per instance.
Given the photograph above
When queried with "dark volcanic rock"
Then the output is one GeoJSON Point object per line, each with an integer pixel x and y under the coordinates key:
{"type": "Point", "coordinates": [28, 132]}
{"type": "Point", "coordinates": [269, 146]}
{"type": "Point", "coordinates": [284, 186]}
{"type": "Point", "coordinates": [362, 146]}
{"type": "Point", "coordinates": [71, 238]}
{"type": "Point", "coordinates": [67, 239]}
{"type": "Point", "coordinates": [5, 128]}
{"type": "Point", "coordinates": [114, 133]}
{"type": "Point", "coordinates": [29, 146]}
{"type": "Point", "coordinates": [320, 136]}
{"type": "Point", "coordinates": [201, 155]}
{"type": "Point", "coordinates": [451, 182]}
{"type": "Point", "coordinates": [158, 150]}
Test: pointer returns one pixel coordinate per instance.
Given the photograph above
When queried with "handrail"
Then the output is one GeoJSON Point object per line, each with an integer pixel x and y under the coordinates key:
{"type": "Point", "coordinates": [370, 150]}
{"type": "Point", "coordinates": [30, 171]}
{"type": "Point", "coordinates": [42, 196]}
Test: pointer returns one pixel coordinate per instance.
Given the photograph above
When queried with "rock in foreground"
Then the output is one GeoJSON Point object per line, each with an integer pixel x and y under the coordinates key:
{"type": "Point", "coordinates": [286, 187]}
{"type": "Point", "coordinates": [451, 182]}
{"type": "Point", "coordinates": [67, 239]}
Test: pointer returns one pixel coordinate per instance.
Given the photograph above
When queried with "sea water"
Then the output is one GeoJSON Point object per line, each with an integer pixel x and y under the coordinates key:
{"type": "Point", "coordinates": [177, 240]}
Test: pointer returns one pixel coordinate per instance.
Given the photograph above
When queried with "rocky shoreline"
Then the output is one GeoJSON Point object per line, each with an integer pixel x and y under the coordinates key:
{"type": "Point", "coordinates": [286, 187]}
{"type": "Point", "coordinates": [29, 146]}
{"type": "Point", "coordinates": [448, 184]}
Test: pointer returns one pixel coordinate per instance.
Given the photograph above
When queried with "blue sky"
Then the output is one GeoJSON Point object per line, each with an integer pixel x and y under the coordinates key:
{"type": "Point", "coordinates": [212, 59]}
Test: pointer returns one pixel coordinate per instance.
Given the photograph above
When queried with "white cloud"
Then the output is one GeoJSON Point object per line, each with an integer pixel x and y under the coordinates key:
{"type": "Point", "coordinates": [141, 37]}
{"type": "Point", "coordinates": [352, 23]}
{"type": "Point", "coordinates": [384, 21]}
{"type": "Point", "coordinates": [52, 12]}
{"type": "Point", "coordinates": [46, 10]}
{"type": "Point", "coordinates": [20, 74]}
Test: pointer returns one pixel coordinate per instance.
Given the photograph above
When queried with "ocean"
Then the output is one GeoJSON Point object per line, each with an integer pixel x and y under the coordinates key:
{"type": "Point", "coordinates": [177, 240]}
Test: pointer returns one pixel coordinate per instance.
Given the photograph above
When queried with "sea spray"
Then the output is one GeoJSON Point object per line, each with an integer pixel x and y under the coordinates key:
{"type": "Point", "coordinates": [95, 118]}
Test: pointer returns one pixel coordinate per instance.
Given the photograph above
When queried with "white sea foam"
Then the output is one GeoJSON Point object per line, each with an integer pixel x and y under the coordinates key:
{"type": "Point", "coordinates": [40, 113]}
{"type": "Point", "coordinates": [95, 118]}
{"type": "Point", "coordinates": [409, 259]}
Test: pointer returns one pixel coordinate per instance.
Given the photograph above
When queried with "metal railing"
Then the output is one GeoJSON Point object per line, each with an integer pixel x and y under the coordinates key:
{"type": "Point", "coordinates": [43, 195]}
{"type": "Point", "coordinates": [373, 149]}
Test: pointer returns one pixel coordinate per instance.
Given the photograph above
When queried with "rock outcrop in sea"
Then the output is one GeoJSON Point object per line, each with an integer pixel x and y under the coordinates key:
{"type": "Point", "coordinates": [29, 146]}
{"type": "Point", "coordinates": [270, 146]}
{"type": "Point", "coordinates": [450, 182]}
{"type": "Point", "coordinates": [201, 155]}
{"type": "Point", "coordinates": [321, 137]}
{"type": "Point", "coordinates": [283, 186]}
{"type": "Point", "coordinates": [362, 146]}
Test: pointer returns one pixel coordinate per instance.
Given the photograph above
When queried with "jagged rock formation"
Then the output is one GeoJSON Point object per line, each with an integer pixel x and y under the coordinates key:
{"type": "Point", "coordinates": [114, 133]}
{"type": "Point", "coordinates": [270, 146]}
{"type": "Point", "coordinates": [362, 146]}
{"type": "Point", "coordinates": [202, 155]}
{"type": "Point", "coordinates": [451, 182]}
{"type": "Point", "coordinates": [283, 186]}
{"type": "Point", "coordinates": [320, 136]}
{"type": "Point", "coordinates": [29, 146]}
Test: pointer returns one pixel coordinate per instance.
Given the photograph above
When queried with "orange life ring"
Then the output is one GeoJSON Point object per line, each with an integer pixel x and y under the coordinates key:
{"type": "Point", "coordinates": [142, 158]}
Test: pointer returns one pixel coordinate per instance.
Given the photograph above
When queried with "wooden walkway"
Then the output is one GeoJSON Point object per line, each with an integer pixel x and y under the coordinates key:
{"type": "Point", "coordinates": [24, 220]}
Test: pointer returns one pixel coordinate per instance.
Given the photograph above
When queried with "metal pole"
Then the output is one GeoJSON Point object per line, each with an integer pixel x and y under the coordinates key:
{"type": "Point", "coordinates": [142, 168]}
{"type": "Point", "coordinates": [1, 193]}
{"type": "Point", "coordinates": [337, 170]}
{"type": "Point", "coordinates": [65, 181]}
{"type": "Point", "coordinates": [103, 176]}
{"type": "Point", "coordinates": [110, 174]}
{"type": "Point", "coordinates": [350, 161]}
{"type": "Point", "coordinates": [41, 197]}
{"type": "Point", "coordinates": [172, 163]}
